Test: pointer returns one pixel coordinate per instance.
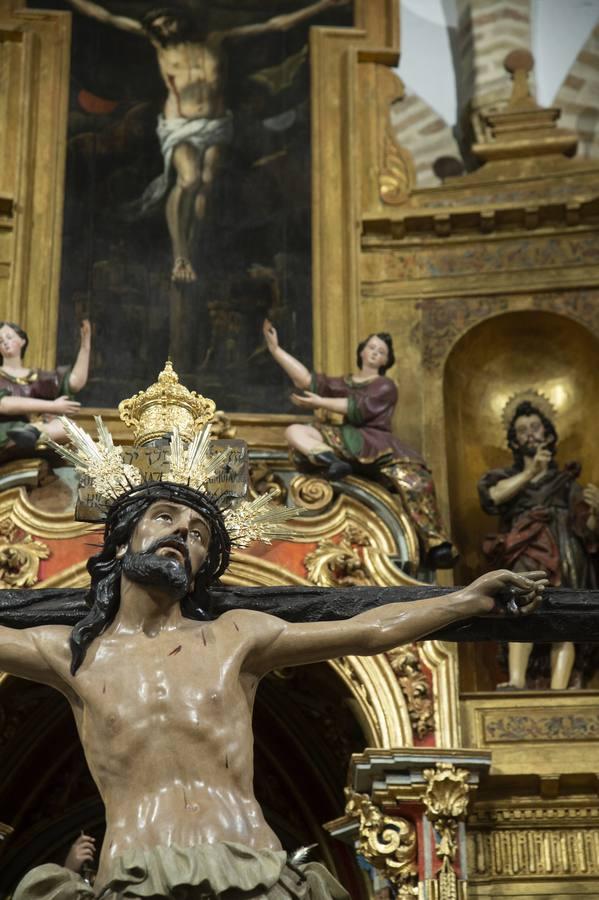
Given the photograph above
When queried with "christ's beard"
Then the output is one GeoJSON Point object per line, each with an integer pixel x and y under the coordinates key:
{"type": "Point", "coordinates": [163, 572]}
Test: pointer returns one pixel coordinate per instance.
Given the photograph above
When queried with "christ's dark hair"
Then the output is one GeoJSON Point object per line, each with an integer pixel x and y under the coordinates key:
{"type": "Point", "coordinates": [105, 568]}
{"type": "Point", "coordinates": [22, 334]}
{"type": "Point", "coordinates": [190, 26]}
{"type": "Point", "coordinates": [526, 408]}
{"type": "Point", "coordinates": [383, 336]}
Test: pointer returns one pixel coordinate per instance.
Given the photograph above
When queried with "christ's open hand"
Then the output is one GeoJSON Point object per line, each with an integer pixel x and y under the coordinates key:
{"type": "Point", "coordinates": [507, 592]}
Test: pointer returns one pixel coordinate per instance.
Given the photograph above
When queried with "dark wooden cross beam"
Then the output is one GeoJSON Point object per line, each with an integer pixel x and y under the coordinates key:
{"type": "Point", "coordinates": [565, 615]}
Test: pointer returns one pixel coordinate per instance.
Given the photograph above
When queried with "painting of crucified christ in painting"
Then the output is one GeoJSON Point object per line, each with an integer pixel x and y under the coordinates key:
{"type": "Point", "coordinates": [187, 205]}
{"type": "Point", "coordinates": [195, 122]}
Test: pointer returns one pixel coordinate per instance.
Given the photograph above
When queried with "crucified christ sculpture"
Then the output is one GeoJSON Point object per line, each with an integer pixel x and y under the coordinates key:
{"type": "Point", "coordinates": [162, 693]}
{"type": "Point", "coordinates": [195, 123]}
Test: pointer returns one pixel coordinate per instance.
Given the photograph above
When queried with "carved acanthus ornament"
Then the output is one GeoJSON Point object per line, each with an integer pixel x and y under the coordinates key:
{"type": "Point", "coordinates": [20, 556]}
{"type": "Point", "coordinates": [446, 804]}
{"type": "Point", "coordinates": [339, 563]}
{"type": "Point", "coordinates": [387, 842]}
{"type": "Point", "coordinates": [406, 663]}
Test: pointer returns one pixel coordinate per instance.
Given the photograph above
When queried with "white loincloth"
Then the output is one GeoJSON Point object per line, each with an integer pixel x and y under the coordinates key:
{"type": "Point", "coordinates": [200, 133]}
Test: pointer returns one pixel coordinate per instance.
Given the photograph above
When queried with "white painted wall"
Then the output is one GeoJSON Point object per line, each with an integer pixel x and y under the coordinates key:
{"type": "Point", "coordinates": [559, 30]}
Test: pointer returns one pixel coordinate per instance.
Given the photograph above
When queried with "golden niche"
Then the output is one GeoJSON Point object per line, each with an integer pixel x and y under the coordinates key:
{"type": "Point", "coordinates": [491, 364]}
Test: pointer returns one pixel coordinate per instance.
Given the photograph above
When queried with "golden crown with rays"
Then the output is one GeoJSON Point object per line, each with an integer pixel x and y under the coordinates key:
{"type": "Point", "coordinates": [536, 398]}
{"type": "Point", "coordinates": [171, 443]}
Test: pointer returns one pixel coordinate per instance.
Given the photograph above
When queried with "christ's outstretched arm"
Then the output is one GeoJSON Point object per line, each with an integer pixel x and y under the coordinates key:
{"type": "Point", "coordinates": [282, 23]}
{"type": "Point", "coordinates": [88, 8]}
{"type": "Point", "coordinates": [283, 644]}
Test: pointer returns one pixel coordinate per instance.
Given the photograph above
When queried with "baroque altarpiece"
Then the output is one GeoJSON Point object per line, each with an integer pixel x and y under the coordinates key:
{"type": "Point", "coordinates": [489, 284]}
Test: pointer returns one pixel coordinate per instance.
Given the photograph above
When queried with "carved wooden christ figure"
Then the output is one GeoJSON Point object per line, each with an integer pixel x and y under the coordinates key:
{"type": "Point", "coordinates": [195, 123]}
{"type": "Point", "coordinates": [162, 693]}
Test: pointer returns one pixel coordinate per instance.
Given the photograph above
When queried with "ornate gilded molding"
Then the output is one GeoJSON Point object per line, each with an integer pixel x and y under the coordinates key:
{"type": "Point", "coordinates": [389, 843]}
{"type": "Point", "coordinates": [470, 265]}
{"type": "Point", "coordinates": [540, 733]}
{"type": "Point", "coordinates": [20, 556]}
{"type": "Point", "coordinates": [383, 710]}
{"type": "Point", "coordinates": [441, 658]}
{"type": "Point", "coordinates": [540, 853]}
{"type": "Point", "coordinates": [35, 49]}
{"type": "Point", "coordinates": [355, 509]}
{"type": "Point", "coordinates": [575, 724]}
{"type": "Point", "coordinates": [15, 504]}
{"type": "Point", "coordinates": [407, 665]}
{"type": "Point", "coordinates": [446, 804]}
{"type": "Point", "coordinates": [512, 812]}
{"type": "Point", "coordinates": [519, 839]}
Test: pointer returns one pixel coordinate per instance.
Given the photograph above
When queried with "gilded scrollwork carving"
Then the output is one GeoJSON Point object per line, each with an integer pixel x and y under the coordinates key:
{"type": "Point", "coordinates": [264, 481]}
{"type": "Point", "coordinates": [314, 494]}
{"type": "Point", "coordinates": [20, 556]}
{"type": "Point", "coordinates": [407, 665]}
{"type": "Point", "coordinates": [339, 563]}
{"type": "Point", "coordinates": [389, 843]}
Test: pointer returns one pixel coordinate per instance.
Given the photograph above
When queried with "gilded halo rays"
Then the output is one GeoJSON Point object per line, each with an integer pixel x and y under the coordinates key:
{"type": "Point", "coordinates": [189, 459]}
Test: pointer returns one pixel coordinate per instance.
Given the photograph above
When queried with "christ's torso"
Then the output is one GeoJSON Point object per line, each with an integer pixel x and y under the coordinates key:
{"type": "Point", "coordinates": [193, 76]}
{"type": "Point", "coordinates": [166, 724]}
